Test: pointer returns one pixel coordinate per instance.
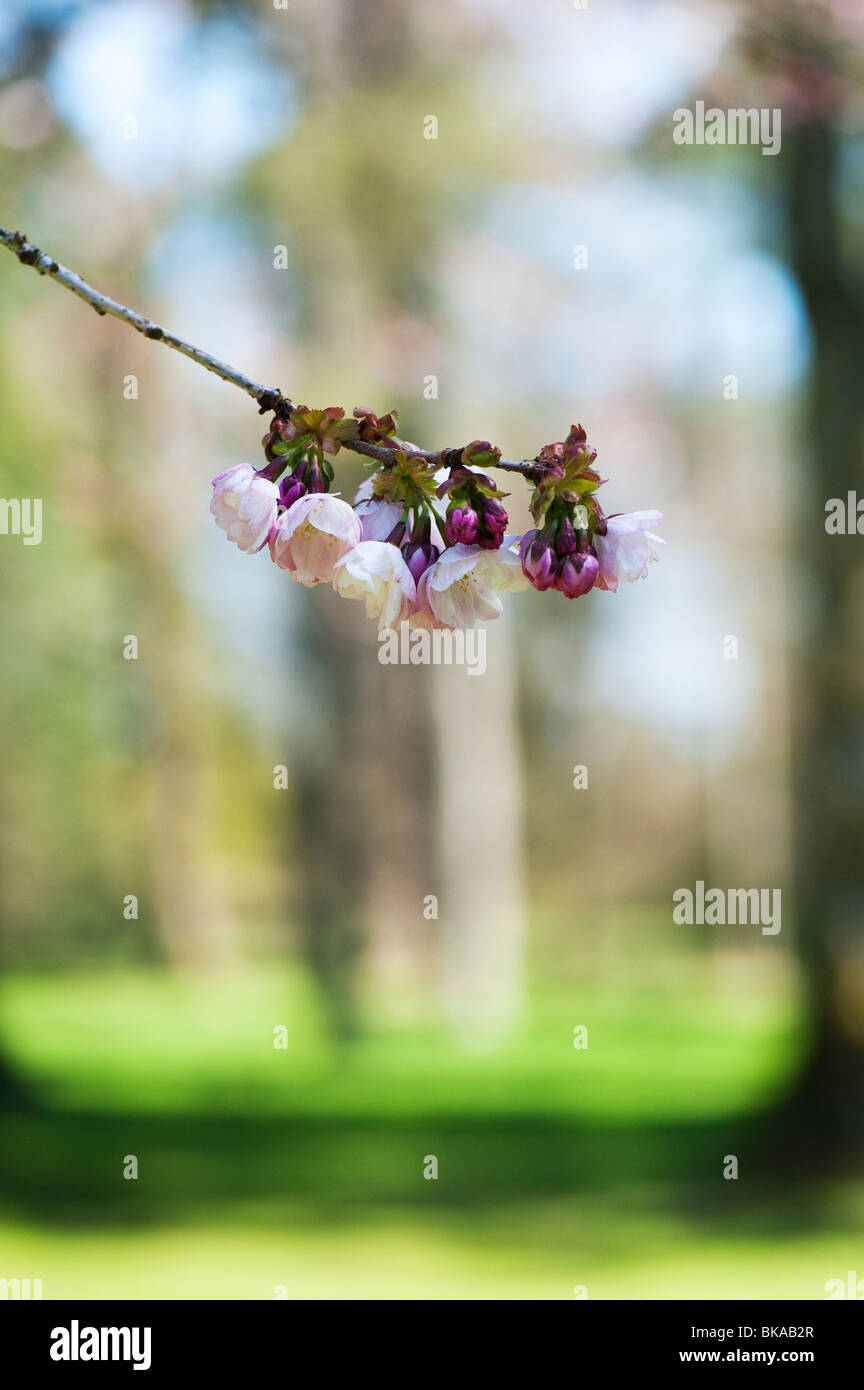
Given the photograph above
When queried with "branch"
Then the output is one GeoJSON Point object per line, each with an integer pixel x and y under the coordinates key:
{"type": "Point", "coordinates": [267, 398]}
{"type": "Point", "coordinates": [46, 265]}
{"type": "Point", "coordinates": [443, 458]}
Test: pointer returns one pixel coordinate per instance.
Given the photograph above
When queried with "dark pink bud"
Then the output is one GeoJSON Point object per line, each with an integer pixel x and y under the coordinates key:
{"type": "Point", "coordinates": [276, 441]}
{"type": "Point", "coordinates": [539, 561]}
{"type": "Point", "coordinates": [577, 574]}
{"type": "Point", "coordinates": [494, 515]}
{"type": "Point", "coordinates": [493, 523]}
{"type": "Point", "coordinates": [292, 489]}
{"type": "Point", "coordinates": [567, 541]}
{"type": "Point", "coordinates": [418, 556]}
{"type": "Point", "coordinates": [315, 479]}
{"type": "Point", "coordinates": [461, 526]}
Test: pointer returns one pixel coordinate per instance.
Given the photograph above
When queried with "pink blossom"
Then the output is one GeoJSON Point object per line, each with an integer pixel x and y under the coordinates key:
{"type": "Point", "coordinates": [312, 535]}
{"type": "Point", "coordinates": [376, 573]}
{"type": "Point", "coordinates": [244, 505]}
{"type": "Point", "coordinates": [424, 618]}
{"type": "Point", "coordinates": [378, 517]}
{"type": "Point", "coordinates": [463, 587]}
{"type": "Point", "coordinates": [627, 548]}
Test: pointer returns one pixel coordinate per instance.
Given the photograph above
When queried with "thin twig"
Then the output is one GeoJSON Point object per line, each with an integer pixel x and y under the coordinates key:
{"type": "Point", "coordinates": [443, 458]}
{"type": "Point", "coordinates": [45, 265]}
{"type": "Point", "coordinates": [267, 398]}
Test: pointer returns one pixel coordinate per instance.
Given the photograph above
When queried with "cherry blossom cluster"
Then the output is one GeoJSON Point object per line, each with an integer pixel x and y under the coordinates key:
{"type": "Point", "coordinates": [426, 540]}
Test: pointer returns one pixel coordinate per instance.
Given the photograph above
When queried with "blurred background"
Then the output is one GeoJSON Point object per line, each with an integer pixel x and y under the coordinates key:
{"type": "Point", "coordinates": [286, 1027]}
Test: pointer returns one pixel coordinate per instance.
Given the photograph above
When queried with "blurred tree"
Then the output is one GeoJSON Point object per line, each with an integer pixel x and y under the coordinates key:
{"type": "Point", "coordinates": [805, 48]}
{"type": "Point", "coordinates": [352, 817]}
{"type": "Point", "coordinates": [29, 43]}
{"type": "Point", "coordinates": [829, 740]}
{"type": "Point", "coordinates": [366, 246]}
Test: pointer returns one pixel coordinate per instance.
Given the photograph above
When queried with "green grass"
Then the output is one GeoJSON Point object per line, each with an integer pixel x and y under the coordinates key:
{"type": "Point", "coordinates": [303, 1167]}
{"type": "Point", "coordinates": [539, 1249]}
{"type": "Point", "coordinates": [152, 1043]}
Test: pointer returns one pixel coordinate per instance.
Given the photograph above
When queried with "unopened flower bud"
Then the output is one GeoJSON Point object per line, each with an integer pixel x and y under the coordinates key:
{"type": "Point", "coordinates": [315, 479]}
{"type": "Point", "coordinates": [291, 490]}
{"type": "Point", "coordinates": [461, 526]}
{"type": "Point", "coordinates": [567, 541]}
{"type": "Point", "coordinates": [280, 435]}
{"type": "Point", "coordinates": [493, 524]}
{"type": "Point", "coordinates": [539, 561]}
{"type": "Point", "coordinates": [577, 573]}
{"type": "Point", "coordinates": [418, 556]}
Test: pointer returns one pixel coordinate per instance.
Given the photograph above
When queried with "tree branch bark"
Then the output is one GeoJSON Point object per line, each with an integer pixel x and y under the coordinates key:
{"type": "Point", "coordinates": [267, 398]}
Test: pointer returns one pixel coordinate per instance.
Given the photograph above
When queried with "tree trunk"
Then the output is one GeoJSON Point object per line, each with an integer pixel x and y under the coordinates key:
{"type": "Point", "coordinates": [480, 839]}
{"type": "Point", "coordinates": [826, 1110]}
